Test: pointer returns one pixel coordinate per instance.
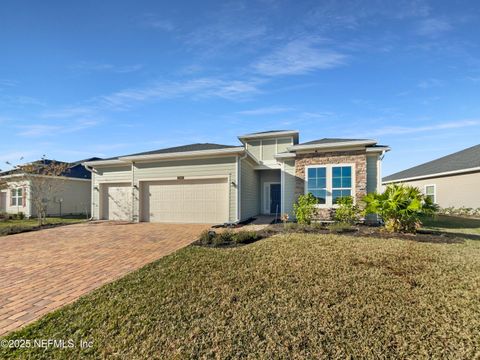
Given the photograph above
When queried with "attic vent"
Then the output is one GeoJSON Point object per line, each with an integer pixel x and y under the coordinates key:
{"type": "Point", "coordinates": [180, 177]}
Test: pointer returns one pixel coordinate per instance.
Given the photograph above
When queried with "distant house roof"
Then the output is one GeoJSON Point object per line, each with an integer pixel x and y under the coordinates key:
{"type": "Point", "coordinates": [460, 161]}
{"type": "Point", "coordinates": [74, 169]}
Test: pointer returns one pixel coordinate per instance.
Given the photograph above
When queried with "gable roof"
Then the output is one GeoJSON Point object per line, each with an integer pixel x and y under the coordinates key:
{"type": "Point", "coordinates": [460, 161]}
{"type": "Point", "coordinates": [177, 149]}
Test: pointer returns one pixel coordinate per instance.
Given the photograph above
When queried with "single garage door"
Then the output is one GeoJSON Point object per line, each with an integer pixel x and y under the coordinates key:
{"type": "Point", "coordinates": [202, 201]}
{"type": "Point", "coordinates": [116, 202]}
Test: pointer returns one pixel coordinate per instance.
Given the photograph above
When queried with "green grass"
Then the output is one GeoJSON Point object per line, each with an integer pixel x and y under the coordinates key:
{"type": "Point", "coordinates": [288, 296]}
{"type": "Point", "coordinates": [453, 224]}
{"type": "Point", "coordinates": [17, 225]}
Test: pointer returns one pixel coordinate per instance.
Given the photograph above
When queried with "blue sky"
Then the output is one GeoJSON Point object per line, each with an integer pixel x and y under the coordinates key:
{"type": "Point", "coordinates": [105, 78]}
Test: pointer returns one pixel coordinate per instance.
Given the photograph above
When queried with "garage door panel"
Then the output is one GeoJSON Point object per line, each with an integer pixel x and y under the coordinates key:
{"type": "Point", "coordinates": [116, 202]}
{"type": "Point", "coordinates": [185, 201]}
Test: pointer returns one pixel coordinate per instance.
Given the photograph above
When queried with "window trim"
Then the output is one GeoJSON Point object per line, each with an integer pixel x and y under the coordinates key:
{"type": "Point", "coordinates": [434, 191]}
{"type": "Point", "coordinates": [329, 173]}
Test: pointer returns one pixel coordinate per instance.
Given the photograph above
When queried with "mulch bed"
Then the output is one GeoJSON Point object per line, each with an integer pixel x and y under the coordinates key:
{"type": "Point", "coordinates": [425, 236]}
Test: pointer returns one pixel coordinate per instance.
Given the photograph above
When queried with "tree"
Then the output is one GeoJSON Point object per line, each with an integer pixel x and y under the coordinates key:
{"type": "Point", "coordinates": [44, 181]}
{"type": "Point", "coordinates": [400, 207]}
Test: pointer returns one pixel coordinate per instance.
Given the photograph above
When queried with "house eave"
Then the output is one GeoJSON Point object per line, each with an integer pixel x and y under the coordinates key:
{"type": "Point", "coordinates": [337, 145]}
{"type": "Point", "coordinates": [268, 135]}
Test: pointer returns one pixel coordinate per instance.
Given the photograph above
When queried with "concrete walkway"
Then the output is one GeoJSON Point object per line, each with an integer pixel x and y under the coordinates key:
{"type": "Point", "coordinates": [43, 270]}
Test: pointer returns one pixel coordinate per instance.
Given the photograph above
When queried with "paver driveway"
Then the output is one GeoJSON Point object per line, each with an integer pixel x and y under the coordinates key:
{"type": "Point", "coordinates": [43, 270]}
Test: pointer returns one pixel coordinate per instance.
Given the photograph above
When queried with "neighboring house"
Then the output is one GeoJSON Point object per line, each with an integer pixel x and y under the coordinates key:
{"type": "Point", "coordinates": [453, 180]}
{"type": "Point", "coordinates": [211, 183]}
{"type": "Point", "coordinates": [72, 190]}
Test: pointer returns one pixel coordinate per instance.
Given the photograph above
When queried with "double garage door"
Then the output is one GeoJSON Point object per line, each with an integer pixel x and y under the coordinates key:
{"type": "Point", "coordinates": [204, 201]}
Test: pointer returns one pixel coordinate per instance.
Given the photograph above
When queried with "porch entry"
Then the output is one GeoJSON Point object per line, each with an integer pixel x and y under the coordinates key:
{"type": "Point", "coordinates": [272, 198]}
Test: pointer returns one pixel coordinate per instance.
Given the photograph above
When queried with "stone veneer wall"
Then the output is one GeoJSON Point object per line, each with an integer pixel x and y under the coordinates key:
{"type": "Point", "coordinates": [357, 157]}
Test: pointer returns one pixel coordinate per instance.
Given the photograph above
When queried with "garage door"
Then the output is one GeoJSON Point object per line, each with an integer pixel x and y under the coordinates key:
{"type": "Point", "coordinates": [116, 202]}
{"type": "Point", "coordinates": [202, 201]}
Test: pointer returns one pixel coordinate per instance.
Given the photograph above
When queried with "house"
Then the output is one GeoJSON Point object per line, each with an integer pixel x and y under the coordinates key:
{"type": "Point", "coordinates": [450, 181]}
{"type": "Point", "coordinates": [212, 183]}
{"type": "Point", "coordinates": [71, 189]}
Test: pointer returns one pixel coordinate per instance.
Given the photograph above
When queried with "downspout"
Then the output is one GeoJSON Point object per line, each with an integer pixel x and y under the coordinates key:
{"type": "Point", "coordinates": [133, 191]}
{"type": "Point", "coordinates": [239, 185]}
{"type": "Point", "coordinates": [92, 190]}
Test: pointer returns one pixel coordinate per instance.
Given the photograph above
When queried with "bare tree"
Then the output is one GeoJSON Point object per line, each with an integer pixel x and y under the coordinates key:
{"type": "Point", "coordinates": [44, 179]}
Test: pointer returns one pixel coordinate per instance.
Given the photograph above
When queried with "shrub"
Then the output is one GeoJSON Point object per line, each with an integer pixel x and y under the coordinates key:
{"type": "Point", "coordinates": [347, 212]}
{"type": "Point", "coordinates": [206, 237]}
{"type": "Point", "coordinates": [400, 207]}
{"type": "Point", "coordinates": [245, 237]}
{"type": "Point", "coordinates": [224, 238]}
{"type": "Point", "coordinates": [305, 208]}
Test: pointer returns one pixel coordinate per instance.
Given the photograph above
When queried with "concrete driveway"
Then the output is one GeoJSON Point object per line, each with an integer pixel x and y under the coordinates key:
{"type": "Point", "coordinates": [43, 270]}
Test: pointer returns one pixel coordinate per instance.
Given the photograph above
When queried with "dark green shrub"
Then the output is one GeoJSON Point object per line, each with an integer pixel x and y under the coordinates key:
{"type": "Point", "coordinates": [224, 238]}
{"type": "Point", "coordinates": [347, 212]}
{"type": "Point", "coordinates": [305, 208]}
{"type": "Point", "coordinates": [245, 237]}
{"type": "Point", "coordinates": [400, 207]}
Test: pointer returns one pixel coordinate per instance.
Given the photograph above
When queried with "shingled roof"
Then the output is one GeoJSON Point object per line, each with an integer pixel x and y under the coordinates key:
{"type": "Point", "coordinates": [461, 160]}
{"type": "Point", "coordinates": [331, 141]}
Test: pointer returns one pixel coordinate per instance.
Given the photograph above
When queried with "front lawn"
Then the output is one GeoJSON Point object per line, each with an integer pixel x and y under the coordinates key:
{"type": "Point", "coordinates": [15, 226]}
{"type": "Point", "coordinates": [453, 224]}
{"type": "Point", "coordinates": [293, 295]}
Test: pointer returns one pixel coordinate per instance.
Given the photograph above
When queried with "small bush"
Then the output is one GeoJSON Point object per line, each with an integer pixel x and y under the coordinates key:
{"type": "Point", "coordinates": [14, 229]}
{"type": "Point", "coordinates": [347, 212]}
{"type": "Point", "coordinates": [224, 238]}
{"type": "Point", "coordinates": [245, 237]}
{"type": "Point", "coordinates": [206, 237]}
{"type": "Point", "coordinates": [305, 208]}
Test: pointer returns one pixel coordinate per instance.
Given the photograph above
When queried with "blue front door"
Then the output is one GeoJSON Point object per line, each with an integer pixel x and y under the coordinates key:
{"type": "Point", "coordinates": [275, 198]}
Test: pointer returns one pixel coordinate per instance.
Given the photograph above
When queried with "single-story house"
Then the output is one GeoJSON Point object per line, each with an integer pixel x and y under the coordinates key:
{"type": "Point", "coordinates": [68, 193]}
{"type": "Point", "coordinates": [450, 181]}
{"type": "Point", "coordinates": [213, 183]}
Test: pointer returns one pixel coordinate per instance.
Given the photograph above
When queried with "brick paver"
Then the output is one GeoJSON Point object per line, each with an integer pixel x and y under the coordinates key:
{"type": "Point", "coordinates": [43, 270]}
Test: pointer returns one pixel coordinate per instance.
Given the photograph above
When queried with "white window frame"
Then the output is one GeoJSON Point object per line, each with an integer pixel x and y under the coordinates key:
{"type": "Point", "coordinates": [434, 191]}
{"type": "Point", "coordinates": [329, 172]}
{"type": "Point", "coordinates": [16, 197]}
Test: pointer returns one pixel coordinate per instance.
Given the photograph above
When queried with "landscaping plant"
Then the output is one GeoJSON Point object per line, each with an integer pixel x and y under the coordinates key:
{"type": "Point", "coordinates": [305, 208]}
{"type": "Point", "coordinates": [347, 212]}
{"type": "Point", "coordinates": [400, 207]}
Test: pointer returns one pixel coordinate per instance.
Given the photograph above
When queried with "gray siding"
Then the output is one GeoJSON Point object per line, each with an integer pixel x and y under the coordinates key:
{"type": "Point", "coordinates": [225, 166]}
{"type": "Point", "coordinates": [372, 173]}
{"type": "Point", "coordinates": [289, 180]}
{"type": "Point", "coordinates": [250, 192]}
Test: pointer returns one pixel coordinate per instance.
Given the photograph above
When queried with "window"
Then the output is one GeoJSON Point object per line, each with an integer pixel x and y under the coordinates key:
{"type": "Point", "coordinates": [16, 197]}
{"type": "Point", "coordinates": [430, 192]}
{"type": "Point", "coordinates": [317, 183]}
{"type": "Point", "coordinates": [341, 182]}
{"type": "Point", "coordinates": [328, 183]}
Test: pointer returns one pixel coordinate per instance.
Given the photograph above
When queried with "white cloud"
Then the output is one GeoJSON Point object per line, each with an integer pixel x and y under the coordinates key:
{"type": "Point", "coordinates": [41, 130]}
{"type": "Point", "coordinates": [429, 83]}
{"type": "Point", "coordinates": [264, 111]}
{"type": "Point", "coordinates": [298, 57]}
{"type": "Point", "coordinates": [93, 66]}
{"type": "Point", "coordinates": [403, 130]}
{"type": "Point", "coordinates": [433, 27]}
